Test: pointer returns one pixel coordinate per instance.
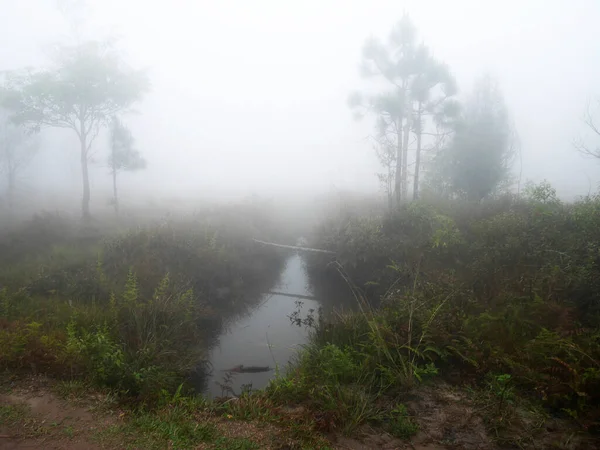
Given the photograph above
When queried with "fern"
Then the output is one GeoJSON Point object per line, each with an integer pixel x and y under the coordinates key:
{"type": "Point", "coordinates": [464, 357]}
{"type": "Point", "coordinates": [131, 292]}
{"type": "Point", "coordinates": [161, 290]}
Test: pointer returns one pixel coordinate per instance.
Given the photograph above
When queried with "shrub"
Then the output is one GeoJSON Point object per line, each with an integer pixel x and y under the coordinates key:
{"type": "Point", "coordinates": [399, 423]}
{"type": "Point", "coordinates": [27, 345]}
{"type": "Point", "coordinates": [134, 312]}
{"type": "Point", "coordinates": [509, 286]}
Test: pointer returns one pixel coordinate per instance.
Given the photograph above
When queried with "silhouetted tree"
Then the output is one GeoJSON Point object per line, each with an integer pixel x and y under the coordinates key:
{"type": "Point", "coordinates": [412, 75]}
{"type": "Point", "coordinates": [17, 149]}
{"type": "Point", "coordinates": [478, 159]}
{"type": "Point", "coordinates": [394, 63]}
{"type": "Point", "coordinates": [87, 86]}
{"type": "Point", "coordinates": [123, 155]}
{"type": "Point", "coordinates": [432, 92]}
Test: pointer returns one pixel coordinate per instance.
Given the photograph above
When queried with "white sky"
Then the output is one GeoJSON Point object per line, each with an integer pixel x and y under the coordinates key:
{"type": "Point", "coordinates": [250, 96]}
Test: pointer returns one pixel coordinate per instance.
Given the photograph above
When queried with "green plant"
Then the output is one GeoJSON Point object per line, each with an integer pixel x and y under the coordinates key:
{"type": "Point", "coordinates": [11, 414]}
{"type": "Point", "coordinates": [335, 365]}
{"type": "Point", "coordinates": [508, 286]}
{"type": "Point", "coordinates": [103, 357]}
{"type": "Point", "coordinates": [226, 443]}
{"type": "Point", "coordinates": [6, 304]}
{"type": "Point", "coordinates": [399, 423]}
{"type": "Point", "coordinates": [175, 427]}
{"type": "Point", "coordinates": [71, 388]}
{"type": "Point", "coordinates": [500, 385]}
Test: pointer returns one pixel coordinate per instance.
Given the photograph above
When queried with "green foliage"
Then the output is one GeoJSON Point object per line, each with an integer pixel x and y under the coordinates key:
{"type": "Point", "coordinates": [506, 287]}
{"type": "Point", "coordinates": [333, 383]}
{"type": "Point", "coordinates": [417, 86]}
{"type": "Point", "coordinates": [29, 345]}
{"type": "Point", "coordinates": [6, 304]}
{"type": "Point", "coordinates": [131, 292]}
{"type": "Point", "coordinates": [87, 86]}
{"type": "Point", "coordinates": [103, 358]}
{"type": "Point", "coordinates": [366, 246]}
{"type": "Point", "coordinates": [89, 81]}
{"type": "Point", "coordinates": [123, 155]}
{"type": "Point", "coordinates": [235, 444]}
{"type": "Point", "coordinates": [176, 426]}
{"type": "Point", "coordinates": [336, 365]}
{"type": "Point", "coordinates": [400, 424]}
{"type": "Point", "coordinates": [541, 193]}
{"type": "Point", "coordinates": [11, 415]}
{"type": "Point", "coordinates": [111, 313]}
{"type": "Point", "coordinates": [477, 161]}
{"type": "Point", "coordinates": [500, 386]}
{"type": "Point", "coordinates": [357, 360]}
{"type": "Point", "coordinates": [145, 345]}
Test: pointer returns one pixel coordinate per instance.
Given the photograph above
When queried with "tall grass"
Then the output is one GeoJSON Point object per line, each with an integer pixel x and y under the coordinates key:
{"type": "Point", "coordinates": [503, 289]}
{"type": "Point", "coordinates": [133, 310]}
{"type": "Point", "coordinates": [358, 365]}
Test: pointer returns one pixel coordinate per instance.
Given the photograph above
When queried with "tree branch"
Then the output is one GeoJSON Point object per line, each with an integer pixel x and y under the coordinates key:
{"type": "Point", "coordinates": [589, 121]}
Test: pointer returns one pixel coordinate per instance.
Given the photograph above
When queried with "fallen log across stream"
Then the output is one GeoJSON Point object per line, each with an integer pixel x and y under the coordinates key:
{"type": "Point", "coordinates": [293, 247]}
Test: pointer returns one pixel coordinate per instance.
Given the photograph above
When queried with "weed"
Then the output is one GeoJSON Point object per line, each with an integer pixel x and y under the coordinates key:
{"type": "Point", "coordinates": [18, 419]}
{"type": "Point", "coordinates": [227, 385]}
{"type": "Point", "coordinates": [133, 313]}
{"type": "Point", "coordinates": [174, 427]}
{"type": "Point", "coordinates": [69, 431]}
{"type": "Point", "coordinates": [71, 388]}
{"type": "Point", "coordinates": [507, 287]}
{"type": "Point", "coordinates": [12, 414]}
{"type": "Point", "coordinates": [225, 443]}
{"type": "Point", "coordinates": [399, 423]}
{"type": "Point", "coordinates": [248, 407]}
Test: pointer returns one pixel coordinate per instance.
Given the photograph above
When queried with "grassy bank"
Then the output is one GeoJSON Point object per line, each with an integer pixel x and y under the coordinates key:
{"type": "Point", "coordinates": [131, 308]}
{"type": "Point", "coordinates": [500, 298]}
{"type": "Point", "coordinates": [474, 326]}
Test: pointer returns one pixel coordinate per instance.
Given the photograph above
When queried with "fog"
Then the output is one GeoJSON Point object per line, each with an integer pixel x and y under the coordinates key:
{"type": "Point", "coordinates": [251, 97]}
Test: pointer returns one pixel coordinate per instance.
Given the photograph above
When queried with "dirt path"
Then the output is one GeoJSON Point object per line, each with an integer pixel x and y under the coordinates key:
{"type": "Point", "coordinates": [35, 414]}
{"type": "Point", "coordinates": [31, 417]}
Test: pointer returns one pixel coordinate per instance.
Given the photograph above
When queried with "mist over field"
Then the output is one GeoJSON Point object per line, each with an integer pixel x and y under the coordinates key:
{"type": "Point", "coordinates": [251, 98]}
{"type": "Point", "coordinates": [298, 224]}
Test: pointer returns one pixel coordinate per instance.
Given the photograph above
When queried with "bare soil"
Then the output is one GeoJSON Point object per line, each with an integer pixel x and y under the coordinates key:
{"type": "Point", "coordinates": [447, 419]}
{"type": "Point", "coordinates": [49, 422]}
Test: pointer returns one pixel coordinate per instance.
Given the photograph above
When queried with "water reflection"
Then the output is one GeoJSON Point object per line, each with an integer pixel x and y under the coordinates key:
{"type": "Point", "coordinates": [264, 337]}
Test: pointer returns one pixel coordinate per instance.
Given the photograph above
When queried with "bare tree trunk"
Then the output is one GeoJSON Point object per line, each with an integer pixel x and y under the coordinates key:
{"type": "Point", "coordinates": [419, 129]}
{"type": "Point", "coordinates": [405, 155]}
{"type": "Point", "coordinates": [85, 201]}
{"type": "Point", "coordinates": [398, 174]}
{"type": "Point", "coordinates": [10, 192]}
{"type": "Point", "coordinates": [390, 191]}
{"type": "Point", "coordinates": [116, 198]}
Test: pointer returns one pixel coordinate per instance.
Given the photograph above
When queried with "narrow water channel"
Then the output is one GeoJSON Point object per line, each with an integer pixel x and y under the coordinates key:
{"type": "Point", "coordinates": [264, 337]}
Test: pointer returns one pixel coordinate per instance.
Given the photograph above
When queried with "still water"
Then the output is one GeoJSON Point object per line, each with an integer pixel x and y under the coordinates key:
{"type": "Point", "coordinates": [265, 336]}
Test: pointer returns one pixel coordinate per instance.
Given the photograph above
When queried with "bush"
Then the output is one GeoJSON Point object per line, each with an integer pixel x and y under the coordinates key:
{"type": "Point", "coordinates": [400, 424]}
{"type": "Point", "coordinates": [509, 286]}
{"type": "Point", "coordinates": [135, 312]}
{"type": "Point", "coordinates": [27, 345]}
